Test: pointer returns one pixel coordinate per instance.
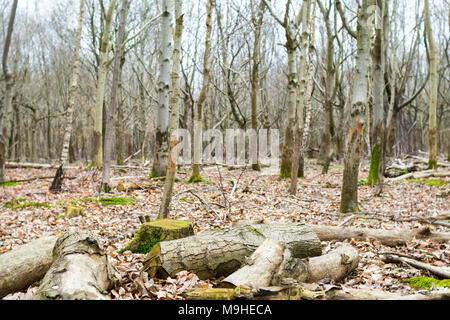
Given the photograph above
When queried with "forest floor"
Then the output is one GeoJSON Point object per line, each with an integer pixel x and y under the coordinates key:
{"type": "Point", "coordinates": [258, 196]}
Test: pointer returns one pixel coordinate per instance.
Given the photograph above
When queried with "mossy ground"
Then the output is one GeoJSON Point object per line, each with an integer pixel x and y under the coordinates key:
{"type": "Point", "coordinates": [426, 282]}
{"type": "Point", "coordinates": [119, 201]}
{"type": "Point", "coordinates": [429, 182]}
{"type": "Point", "coordinates": [23, 203]}
{"type": "Point", "coordinates": [9, 184]}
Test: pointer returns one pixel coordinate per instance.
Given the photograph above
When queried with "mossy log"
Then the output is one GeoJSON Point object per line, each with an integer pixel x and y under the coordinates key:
{"type": "Point", "coordinates": [272, 262]}
{"type": "Point", "coordinates": [218, 253]}
{"type": "Point", "coordinates": [74, 211]}
{"type": "Point", "coordinates": [80, 270]}
{"type": "Point", "coordinates": [130, 186]}
{"type": "Point", "coordinates": [150, 233]}
{"type": "Point", "coordinates": [25, 264]}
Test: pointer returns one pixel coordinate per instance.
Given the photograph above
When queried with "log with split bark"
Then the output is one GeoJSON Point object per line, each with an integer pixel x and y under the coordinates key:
{"type": "Point", "coordinates": [25, 264]}
{"type": "Point", "coordinates": [272, 262]}
{"type": "Point", "coordinates": [218, 253]}
{"type": "Point", "coordinates": [80, 270]}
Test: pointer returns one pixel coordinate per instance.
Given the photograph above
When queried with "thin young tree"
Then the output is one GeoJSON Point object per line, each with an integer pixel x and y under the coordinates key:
{"type": "Point", "coordinates": [202, 98]}
{"type": "Point", "coordinates": [359, 100]}
{"type": "Point", "coordinates": [9, 79]}
{"type": "Point", "coordinates": [161, 151]}
{"type": "Point", "coordinates": [59, 176]}
{"type": "Point", "coordinates": [97, 160]}
{"type": "Point", "coordinates": [174, 115]}
{"type": "Point", "coordinates": [432, 123]}
{"type": "Point", "coordinates": [119, 51]}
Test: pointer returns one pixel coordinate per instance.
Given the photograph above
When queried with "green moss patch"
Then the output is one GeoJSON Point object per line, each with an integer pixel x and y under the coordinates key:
{"type": "Point", "coordinates": [151, 233]}
{"type": "Point", "coordinates": [9, 184]}
{"type": "Point", "coordinates": [426, 283]}
{"type": "Point", "coordinates": [429, 182]}
{"type": "Point", "coordinates": [23, 203]}
{"type": "Point", "coordinates": [120, 201]}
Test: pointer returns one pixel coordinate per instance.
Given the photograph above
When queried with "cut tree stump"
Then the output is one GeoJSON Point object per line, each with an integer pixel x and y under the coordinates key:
{"type": "Point", "coordinates": [74, 211]}
{"type": "Point", "coordinates": [218, 253]}
{"type": "Point", "coordinates": [150, 233]}
{"type": "Point", "coordinates": [25, 264]}
{"type": "Point", "coordinates": [80, 270]}
{"type": "Point", "coordinates": [272, 262]}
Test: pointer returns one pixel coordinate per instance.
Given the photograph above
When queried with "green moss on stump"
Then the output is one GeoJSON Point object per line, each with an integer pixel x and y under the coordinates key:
{"type": "Point", "coordinates": [256, 167]}
{"type": "Point", "coordinates": [426, 282]}
{"type": "Point", "coordinates": [196, 178]}
{"type": "Point", "coordinates": [151, 233]}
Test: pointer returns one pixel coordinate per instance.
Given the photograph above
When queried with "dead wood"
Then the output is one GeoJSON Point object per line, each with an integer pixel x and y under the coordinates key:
{"type": "Point", "coordinates": [272, 262]}
{"type": "Point", "coordinates": [80, 270]}
{"type": "Point", "coordinates": [218, 253]}
{"type": "Point", "coordinates": [441, 272]}
{"type": "Point", "coordinates": [25, 264]}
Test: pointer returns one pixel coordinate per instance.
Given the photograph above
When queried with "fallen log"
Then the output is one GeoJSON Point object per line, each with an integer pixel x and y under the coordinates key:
{"type": "Point", "coordinates": [14, 165]}
{"type": "Point", "coordinates": [422, 160]}
{"type": "Point", "coordinates": [423, 174]}
{"type": "Point", "coordinates": [218, 253]}
{"type": "Point", "coordinates": [299, 292]}
{"type": "Point", "coordinates": [80, 270]}
{"type": "Point", "coordinates": [441, 272]}
{"type": "Point", "coordinates": [272, 262]}
{"type": "Point", "coordinates": [387, 237]}
{"type": "Point", "coordinates": [25, 264]}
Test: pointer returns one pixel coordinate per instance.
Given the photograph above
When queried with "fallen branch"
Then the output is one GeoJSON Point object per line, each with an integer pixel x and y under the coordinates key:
{"type": "Point", "coordinates": [441, 272]}
{"type": "Point", "coordinates": [13, 165]}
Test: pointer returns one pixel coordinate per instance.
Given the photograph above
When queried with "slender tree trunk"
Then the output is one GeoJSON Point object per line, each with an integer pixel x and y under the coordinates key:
{"type": "Point", "coordinates": [203, 94]}
{"type": "Point", "coordinates": [9, 84]}
{"type": "Point", "coordinates": [349, 194]}
{"type": "Point", "coordinates": [175, 106]}
{"type": "Point", "coordinates": [432, 127]}
{"type": "Point", "coordinates": [165, 62]}
{"type": "Point", "coordinates": [378, 108]}
{"type": "Point", "coordinates": [298, 131]}
{"type": "Point", "coordinates": [110, 110]}
{"type": "Point", "coordinates": [97, 160]}
{"type": "Point", "coordinates": [257, 23]}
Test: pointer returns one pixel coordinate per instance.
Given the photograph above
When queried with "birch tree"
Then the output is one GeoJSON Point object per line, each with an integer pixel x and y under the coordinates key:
{"type": "Point", "coordinates": [174, 115]}
{"type": "Point", "coordinates": [164, 88]}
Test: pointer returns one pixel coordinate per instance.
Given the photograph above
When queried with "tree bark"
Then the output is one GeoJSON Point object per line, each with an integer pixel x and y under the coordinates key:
{"type": "Point", "coordinates": [220, 253]}
{"type": "Point", "coordinates": [174, 116]}
{"type": "Point", "coordinates": [272, 262]}
{"type": "Point", "coordinates": [80, 270]}
{"type": "Point", "coordinates": [25, 264]}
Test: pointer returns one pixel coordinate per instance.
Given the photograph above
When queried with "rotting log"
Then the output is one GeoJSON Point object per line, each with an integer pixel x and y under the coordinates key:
{"type": "Point", "coordinates": [74, 211]}
{"type": "Point", "coordinates": [272, 262]}
{"type": "Point", "coordinates": [25, 264]}
{"type": "Point", "coordinates": [80, 270]}
{"type": "Point", "coordinates": [150, 233]}
{"type": "Point", "coordinates": [218, 253]}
